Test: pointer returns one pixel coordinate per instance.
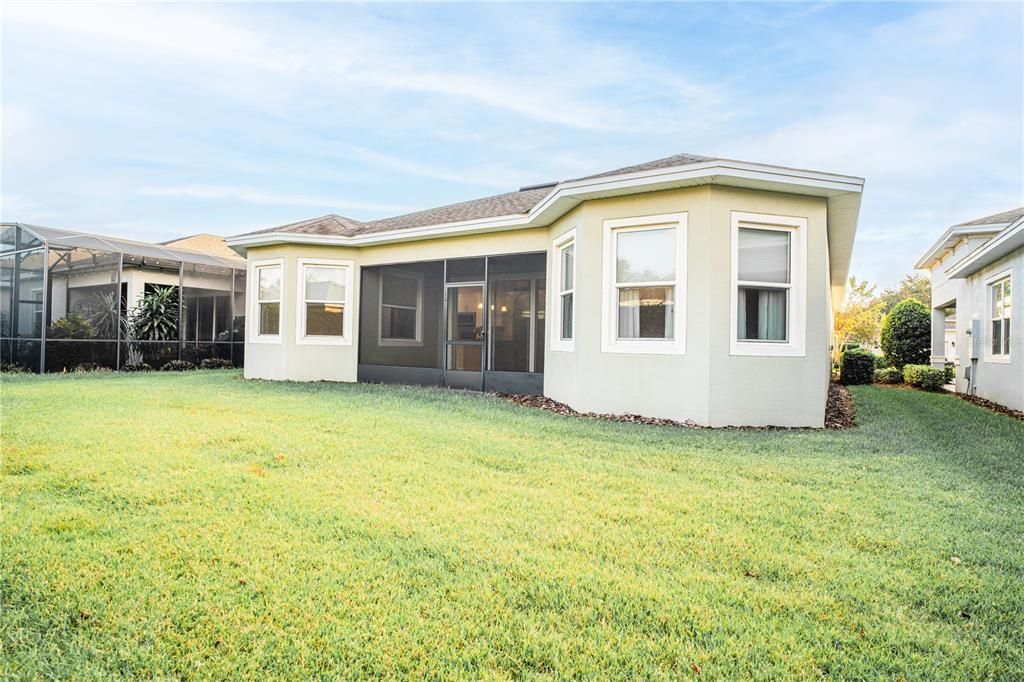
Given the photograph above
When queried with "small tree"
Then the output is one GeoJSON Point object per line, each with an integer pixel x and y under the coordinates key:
{"type": "Point", "coordinates": [906, 334]}
{"type": "Point", "coordinates": [918, 287]}
{"type": "Point", "coordinates": [859, 320]}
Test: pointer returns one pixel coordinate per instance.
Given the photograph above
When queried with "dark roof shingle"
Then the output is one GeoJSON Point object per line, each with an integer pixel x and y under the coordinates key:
{"type": "Point", "coordinates": [996, 218]}
{"type": "Point", "coordinates": [509, 203]}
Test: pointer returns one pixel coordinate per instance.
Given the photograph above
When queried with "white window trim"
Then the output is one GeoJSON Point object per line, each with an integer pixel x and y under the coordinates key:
{"type": "Point", "coordinates": [405, 274]}
{"type": "Point", "coordinates": [253, 284]}
{"type": "Point", "coordinates": [796, 315]}
{"type": "Point", "coordinates": [987, 355]}
{"type": "Point", "coordinates": [561, 242]}
{"type": "Point", "coordinates": [300, 309]}
{"type": "Point", "coordinates": [610, 343]}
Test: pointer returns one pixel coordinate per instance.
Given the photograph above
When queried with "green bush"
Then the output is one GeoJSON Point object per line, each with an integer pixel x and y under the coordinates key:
{"type": "Point", "coordinates": [215, 363]}
{"type": "Point", "coordinates": [177, 366]}
{"type": "Point", "coordinates": [888, 375]}
{"type": "Point", "coordinates": [73, 326]}
{"type": "Point", "coordinates": [924, 376]}
{"type": "Point", "coordinates": [906, 333]}
{"type": "Point", "coordinates": [950, 370]}
{"type": "Point", "coordinates": [856, 366]}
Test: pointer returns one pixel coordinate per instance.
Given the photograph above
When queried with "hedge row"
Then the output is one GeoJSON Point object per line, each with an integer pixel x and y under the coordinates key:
{"type": "Point", "coordinates": [924, 376]}
{"type": "Point", "coordinates": [858, 366]}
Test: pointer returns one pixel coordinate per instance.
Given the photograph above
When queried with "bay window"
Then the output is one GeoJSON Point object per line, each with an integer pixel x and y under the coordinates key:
{"type": "Point", "coordinates": [266, 316]}
{"type": "Point", "coordinates": [645, 289]}
{"type": "Point", "coordinates": [324, 310]}
{"type": "Point", "coordinates": [767, 290]}
{"type": "Point", "coordinates": [565, 303]}
{"type": "Point", "coordinates": [999, 322]}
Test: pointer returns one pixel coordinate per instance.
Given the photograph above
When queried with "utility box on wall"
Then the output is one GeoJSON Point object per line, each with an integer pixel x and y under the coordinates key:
{"type": "Point", "coordinates": [975, 339]}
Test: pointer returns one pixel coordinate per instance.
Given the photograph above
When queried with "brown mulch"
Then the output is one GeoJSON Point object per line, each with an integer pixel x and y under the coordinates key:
{"type": "Point", "coordinates": [540, 402]}
{"type": "Point", "coordinates": [991, 406]}
{"type": "Point", "coordinates": [838, 411]}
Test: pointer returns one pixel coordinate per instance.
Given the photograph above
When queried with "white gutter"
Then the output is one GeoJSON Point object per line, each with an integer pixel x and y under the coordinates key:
{"type": "Point", "coordinates": [1007, 241]}
{"type": "Point", "coordinates": [949, 238]}
{"type": "Point", "coordinates": [573, 192]}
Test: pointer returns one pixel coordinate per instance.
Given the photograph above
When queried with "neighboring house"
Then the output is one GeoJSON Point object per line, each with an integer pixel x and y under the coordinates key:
{"type": "Point", "coordinates": [975, 271]}
{"type": "Point", "coordinates": [688, 288]}
{"type": "Point", "coordinates": [48, 275]}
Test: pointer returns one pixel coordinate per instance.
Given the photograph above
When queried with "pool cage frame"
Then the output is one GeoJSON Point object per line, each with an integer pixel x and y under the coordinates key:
{"type": "Point", "coordinates": [53, 284]}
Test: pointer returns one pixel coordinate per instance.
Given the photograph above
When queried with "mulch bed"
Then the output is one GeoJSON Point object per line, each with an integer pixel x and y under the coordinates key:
{"type": "Point", "coordinates": [839, 412]}
{"type": "Point", "coordinates": [540, 402]}
{"type": "Point", "coordinates": [991, 406]}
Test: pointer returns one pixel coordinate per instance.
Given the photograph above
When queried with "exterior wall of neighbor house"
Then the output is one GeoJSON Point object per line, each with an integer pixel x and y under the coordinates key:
{"type": "Point", "coordinates": [997, 379]}
{"type": "Point", "coordinates": [307, 361]}
{"type": "Point", "coordinates": [706, 383]}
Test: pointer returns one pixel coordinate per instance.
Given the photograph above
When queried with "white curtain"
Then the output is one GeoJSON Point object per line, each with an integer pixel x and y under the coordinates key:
{"type": "Point", "coordinates": [629, 313]}
{"type": "Point", "coordinates": [770, 313]}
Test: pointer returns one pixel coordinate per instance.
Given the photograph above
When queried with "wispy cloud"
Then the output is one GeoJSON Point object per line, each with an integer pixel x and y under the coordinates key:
{"type": "Point", "coordinates": [246, 115]}
{"type": "Point", "coordinates": [256, 196]}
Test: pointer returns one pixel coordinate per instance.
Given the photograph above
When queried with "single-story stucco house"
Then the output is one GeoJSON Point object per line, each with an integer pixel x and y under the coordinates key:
{"type": "Point", "coordinates": [689, 288]}
{"type": "Point", "coordinates": [975, 269]}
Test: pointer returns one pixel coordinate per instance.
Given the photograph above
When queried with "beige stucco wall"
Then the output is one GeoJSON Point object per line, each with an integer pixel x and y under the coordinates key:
{"type": "Point", "coordinates": [705, 384]}
{"type": "Point", "coordinates": [996, 378]}
{"type": "Point", "coordinates": [310, 362]}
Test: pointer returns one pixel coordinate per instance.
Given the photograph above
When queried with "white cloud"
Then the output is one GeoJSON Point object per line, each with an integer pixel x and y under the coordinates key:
{"type": "Point", "coordinates": [255, 196]}
{"type": "Point", "coordinates": [561, 80]}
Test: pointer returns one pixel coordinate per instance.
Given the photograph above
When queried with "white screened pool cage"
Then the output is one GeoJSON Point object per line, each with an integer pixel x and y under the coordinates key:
{"type": "Point", "coordinates": [71, 300]}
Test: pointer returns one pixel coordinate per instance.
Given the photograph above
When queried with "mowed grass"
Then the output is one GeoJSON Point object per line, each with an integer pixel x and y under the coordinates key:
{"type": "Point", "coordinates": [198, 525]}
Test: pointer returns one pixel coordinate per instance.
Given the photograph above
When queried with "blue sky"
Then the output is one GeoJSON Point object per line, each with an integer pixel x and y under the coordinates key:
{"type": "Point", "coordinates": [152, 121]}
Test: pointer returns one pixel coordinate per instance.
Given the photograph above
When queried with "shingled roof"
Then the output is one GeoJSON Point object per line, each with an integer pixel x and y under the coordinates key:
{"type": "Point", "coordinates": [1003, 218]}
{"type": "Point", "coordinates": [515, 203]}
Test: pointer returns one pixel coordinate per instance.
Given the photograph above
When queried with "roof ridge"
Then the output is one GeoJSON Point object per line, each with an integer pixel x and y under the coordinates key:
{"type": "Point", "coordinates": [512, 202]}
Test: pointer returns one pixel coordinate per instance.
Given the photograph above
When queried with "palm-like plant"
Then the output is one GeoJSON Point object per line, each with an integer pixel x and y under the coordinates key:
{"type": "Point", "coordinates": [155, 317]}
{"type": "Point", "coordinates": [103, 315]}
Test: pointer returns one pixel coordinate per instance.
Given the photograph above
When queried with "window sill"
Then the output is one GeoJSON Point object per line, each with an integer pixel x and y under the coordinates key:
{"type": "Point", "coordinates": [766, 350]}
{"type": "Point", "coordinates": [323, 341]}
{"type": "Point", "coordinates": [652, 347]}
{"type": "Point", "coordinates": [563, 346]}
{"type": "Point", "coordinates": [264, 339]}
{"type": "Point", "coordinates": [997, 359]}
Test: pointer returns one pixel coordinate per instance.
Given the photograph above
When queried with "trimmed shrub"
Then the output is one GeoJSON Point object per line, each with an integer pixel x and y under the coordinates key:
{"type": "Point", "coordinates": [13, 368]}
{"type": "Point", "coordinates": [924, 376]}
{"type": "Point", "coordinates": [177, 366]}
{"type": "Point", "coordinates": [856, 366]}
{"type": "Point", "coordinates": [215, 363]}
{"type": "Point", "coordinates": [906, 333]}
{"type": "Point", "coordinates": [950, 370]}
{"type": "Point", "coordinates": [888, 375]}
{"type": "Point", "coordinates": [90, 367]}
{"type": "Point", "coordinates": [136, 367]}
{"type": "Point", "coordinates": [71, 327]}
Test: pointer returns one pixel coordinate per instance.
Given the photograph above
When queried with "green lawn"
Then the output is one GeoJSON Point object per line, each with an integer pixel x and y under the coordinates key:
{"type": "Point", "coordinates": [197, 525]}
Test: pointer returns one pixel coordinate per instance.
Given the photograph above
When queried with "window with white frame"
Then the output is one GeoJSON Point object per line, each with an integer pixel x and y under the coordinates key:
{"type": "Point", "coordinates": [999, 297]}
{"type": "Point", "coordinates": [565, 291]}
{"type": "Point", "coordinates": [768, 297]}
{"type": "Point", "coordinates": [268, 299]}
{"type": "Point", "coordinates": [401, 295]}
{"type": "Point", "coordinates": [325, 288]}
{"type": "Point", "coordinates": [764, 279]}
{"type": "Point", "coordinates": [645, 291]}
